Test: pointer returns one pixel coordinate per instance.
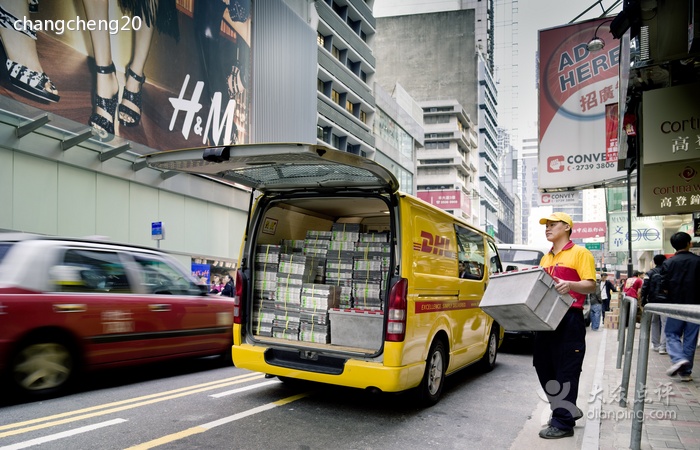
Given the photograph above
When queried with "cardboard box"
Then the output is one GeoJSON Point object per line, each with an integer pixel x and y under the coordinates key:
{"type": "Point", "coordinates": [356, 328]}
{"type": "Point", "coordinates": [525, 300]}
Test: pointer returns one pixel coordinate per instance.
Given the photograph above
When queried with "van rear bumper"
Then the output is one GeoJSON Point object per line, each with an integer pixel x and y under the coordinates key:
{"type": "Point", "coordinates": [353, 373]}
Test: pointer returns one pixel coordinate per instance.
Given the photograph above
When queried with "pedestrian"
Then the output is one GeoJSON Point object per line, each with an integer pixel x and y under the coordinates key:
{"type": "Point", "coordinates": [680, 281]}
{"type": "Point", "coordinates": [229, 289]}
{"type": "Point", "coordinates": [558, 354]}
{"type": "Point", "coordinates": [651, 293]}
{"type": "Point", "coordinates": [596, 305]}
{"type": "Point", "coordinates": [606, 290]}
{"type": "Point", "coordinates": [632, 289]}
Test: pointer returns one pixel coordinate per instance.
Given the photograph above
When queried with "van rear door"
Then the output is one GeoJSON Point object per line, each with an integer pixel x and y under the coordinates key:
{"type": "Point", "coordinates": [280, 167]}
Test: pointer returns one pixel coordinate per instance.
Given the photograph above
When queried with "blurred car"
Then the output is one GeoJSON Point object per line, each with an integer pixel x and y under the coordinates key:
{"type": "Point", "coordinates": [517, 256]}
{"type": "Point", "coordinates": [70, 305]}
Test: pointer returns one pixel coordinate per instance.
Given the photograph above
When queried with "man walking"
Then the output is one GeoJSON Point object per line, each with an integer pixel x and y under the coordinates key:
{"type": "Point", "coordinates": [606, 289]}
{"type": "Point", "coordinates": [651, 293]}
{"type": "Point", "coordinates": [680, 280]}
{"type": "Point", "coordinates": [558, 355]}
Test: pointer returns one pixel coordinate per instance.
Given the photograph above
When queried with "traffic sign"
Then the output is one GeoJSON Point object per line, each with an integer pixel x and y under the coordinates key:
{"type": "Point", "coordinates": [157, 231]}
{"type": "Point", "coordinates": [594, 245]}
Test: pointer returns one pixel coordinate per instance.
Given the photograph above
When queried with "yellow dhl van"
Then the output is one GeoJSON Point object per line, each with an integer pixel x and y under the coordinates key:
{"type": "Point", "coordinates": [345, 280]}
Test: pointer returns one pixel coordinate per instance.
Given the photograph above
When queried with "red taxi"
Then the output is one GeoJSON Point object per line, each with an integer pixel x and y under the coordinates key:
{"type": "Point", "coordinates": [68, 305]}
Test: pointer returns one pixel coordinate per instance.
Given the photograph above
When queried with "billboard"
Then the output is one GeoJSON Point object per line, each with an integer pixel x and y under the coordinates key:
{"type": "Point", "coordinates": [585, 230]}
{"type": "Point", "coordinates": [575, 88]}
{"type": "Point", "coordinates": [168, 74]}
{"type": "Point", "coordinates": [447, 199]}
{"type": "Point", "coordinates": [647, 232]}
{"type": "Point", "coordinates": [559, 198]}
{"type": "Point", "coordinates": [669, 177]}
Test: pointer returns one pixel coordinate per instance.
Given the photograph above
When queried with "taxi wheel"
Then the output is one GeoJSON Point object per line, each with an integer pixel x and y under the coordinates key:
{"type": "Point", "coordinates": [43, 367]}
{"type": "Point", "coordinates": [488, 361]}
{"type": "Point", "coordinates": [430, 388]}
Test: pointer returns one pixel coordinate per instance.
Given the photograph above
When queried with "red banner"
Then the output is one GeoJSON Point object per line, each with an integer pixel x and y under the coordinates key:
{"type": "Point", "coordinates": [589, 230]}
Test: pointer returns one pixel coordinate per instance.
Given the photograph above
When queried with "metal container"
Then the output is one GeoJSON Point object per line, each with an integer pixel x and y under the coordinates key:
{"type": "Point", "coordinates": [525, 300]}
{"type": "Point", "coordinates": [356, 328]}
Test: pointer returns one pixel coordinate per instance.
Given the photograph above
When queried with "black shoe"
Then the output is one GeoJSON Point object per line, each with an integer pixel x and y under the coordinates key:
{"type": "Point", "coordinates": [555, 433]}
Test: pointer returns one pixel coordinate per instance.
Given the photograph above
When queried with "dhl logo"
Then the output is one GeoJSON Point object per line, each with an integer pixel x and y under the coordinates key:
{"type": "Point", "coordinates": [434, 245]}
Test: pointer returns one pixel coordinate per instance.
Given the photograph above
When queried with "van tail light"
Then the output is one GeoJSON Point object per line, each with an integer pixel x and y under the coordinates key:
{"type": "Point", "coordinates": [396, 312]}
{"type": "Point", "coordinates": [238, 299]}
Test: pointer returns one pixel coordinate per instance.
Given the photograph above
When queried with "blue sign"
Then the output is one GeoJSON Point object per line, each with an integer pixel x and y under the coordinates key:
{"type": "Point", "coordinates": [157, 232]}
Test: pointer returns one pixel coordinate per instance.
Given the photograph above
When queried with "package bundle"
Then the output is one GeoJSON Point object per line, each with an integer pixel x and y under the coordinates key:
{"type": "Point", "coordinates": [263, 321]}
{"type": "Point", "coordinates": [349, 232]}
{"type": "Point", "coordinates": [371, 267]}
{"type": "Point", "coordinates": [292, 245]}
{"type": "Point", "coordinates": [313, 332]}
{"type": "Point", "coordinates": [316, 299]}
{"type": "Point", "coordinates": [374, 236]}
{"type": "Point", "coordinates": [286, 323]}
{"type": "Point", "coordinates": [265, 279]}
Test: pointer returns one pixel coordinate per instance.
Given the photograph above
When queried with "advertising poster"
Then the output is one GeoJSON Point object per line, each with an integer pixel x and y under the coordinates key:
{"type": "Point", "coordinates": [166, 74]}
{"type": "Point", "coordinates": [447, 199]}
{"type": "Point", "coordinates": [575, 86]}
{"type": "Point", "coordinates": [647, 232]}
{"type": "Point", "coordinates": [560, 198]}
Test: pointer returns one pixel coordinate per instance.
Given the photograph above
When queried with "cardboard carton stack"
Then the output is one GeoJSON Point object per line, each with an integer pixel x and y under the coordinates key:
{"type": "Point", "coordinates": [612, 317]}
{"type": "Point", "coordinates": [265, 288]}
{"type": "Point", "coordinates": [339, 264]}
{"type": "Point", "coordinates": [294, 270]}
{"type": "Point", "coordinates": [370, 271]}
{"type": "Point", "coordinates": [316, 300]}
{"type": "Point", "coordinates": [316, 246]}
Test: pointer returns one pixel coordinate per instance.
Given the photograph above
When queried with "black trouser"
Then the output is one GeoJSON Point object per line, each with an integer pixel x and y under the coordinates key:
{"type": "Point", "coordinates": [558, 358]}
{"type": "Point", "coordinates": [606, 307]}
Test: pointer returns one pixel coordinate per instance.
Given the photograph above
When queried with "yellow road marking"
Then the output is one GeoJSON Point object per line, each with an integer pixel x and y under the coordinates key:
{"type": "Point", "coordinates": [123, 405]}
{"type": "Point", "coordinates": [208, 426]}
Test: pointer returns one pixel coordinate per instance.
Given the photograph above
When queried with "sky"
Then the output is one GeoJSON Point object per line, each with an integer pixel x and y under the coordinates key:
{"type": "Point", "coordinates": [533, 15]}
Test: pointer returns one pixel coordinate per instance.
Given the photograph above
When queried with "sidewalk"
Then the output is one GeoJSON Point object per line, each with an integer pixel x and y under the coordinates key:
{"type": "Point", "coordinates": [672, 409]}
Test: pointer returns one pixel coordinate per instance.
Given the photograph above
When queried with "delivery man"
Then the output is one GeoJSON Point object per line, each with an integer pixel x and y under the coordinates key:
{"type": "Point", "coordinates": [558, 355]}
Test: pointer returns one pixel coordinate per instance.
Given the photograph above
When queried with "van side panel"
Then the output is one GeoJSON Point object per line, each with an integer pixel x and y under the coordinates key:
{"type": "Point", "coordinates": [439, 301]}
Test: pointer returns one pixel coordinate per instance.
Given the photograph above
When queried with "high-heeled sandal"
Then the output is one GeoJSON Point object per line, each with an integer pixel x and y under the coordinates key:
{"type": "Point", "coordinates": [103, 126]}
{"type": "Point", "coordinates": [133, 97]}
{"type": "Point", "coordinates": [22, 77]}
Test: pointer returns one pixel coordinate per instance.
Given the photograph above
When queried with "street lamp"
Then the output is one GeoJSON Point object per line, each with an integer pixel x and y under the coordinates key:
{"type": "Point", "coordinates": [597, 43]}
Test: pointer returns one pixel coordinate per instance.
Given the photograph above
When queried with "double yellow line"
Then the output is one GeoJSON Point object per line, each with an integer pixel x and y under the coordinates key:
{"type": "Point", "coordinates": [109, 408]}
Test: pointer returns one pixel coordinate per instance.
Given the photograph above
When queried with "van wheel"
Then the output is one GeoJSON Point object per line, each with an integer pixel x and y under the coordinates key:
{"type": "Point", "coordinates": [430, 387]}
{"type": "Point", "coordinates": [488, 361]}
{"type": "Point", "coordinates": [43, 367]}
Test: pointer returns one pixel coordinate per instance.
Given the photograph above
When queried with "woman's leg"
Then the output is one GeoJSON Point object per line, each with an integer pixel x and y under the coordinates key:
{"type": "Point", "coordinates": [107, 85]}
{"type": "Point", "coordinates": [131, 100]}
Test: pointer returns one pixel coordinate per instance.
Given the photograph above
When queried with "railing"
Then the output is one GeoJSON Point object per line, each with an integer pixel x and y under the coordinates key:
{"type": "Point", "coordinates": [689, 313]}
{"type": "Point", "coordinates": [629, 310]}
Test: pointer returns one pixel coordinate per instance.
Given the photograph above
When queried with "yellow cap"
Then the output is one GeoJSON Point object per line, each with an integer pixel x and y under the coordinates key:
{"type": "Point", "coordinates": [558, 217]}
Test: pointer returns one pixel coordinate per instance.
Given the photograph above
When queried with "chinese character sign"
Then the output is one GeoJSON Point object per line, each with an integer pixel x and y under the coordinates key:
{"type": "Point", "coordinates": [671, 124]}
{"type": "Point", "coordinates": [647, 233]}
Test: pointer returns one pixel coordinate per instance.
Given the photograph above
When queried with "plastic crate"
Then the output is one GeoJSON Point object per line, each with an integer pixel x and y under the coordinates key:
{"type": "Point", "coordinates": [525, 300]}
{"type": "Point", "coordinates": [356, 328]}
